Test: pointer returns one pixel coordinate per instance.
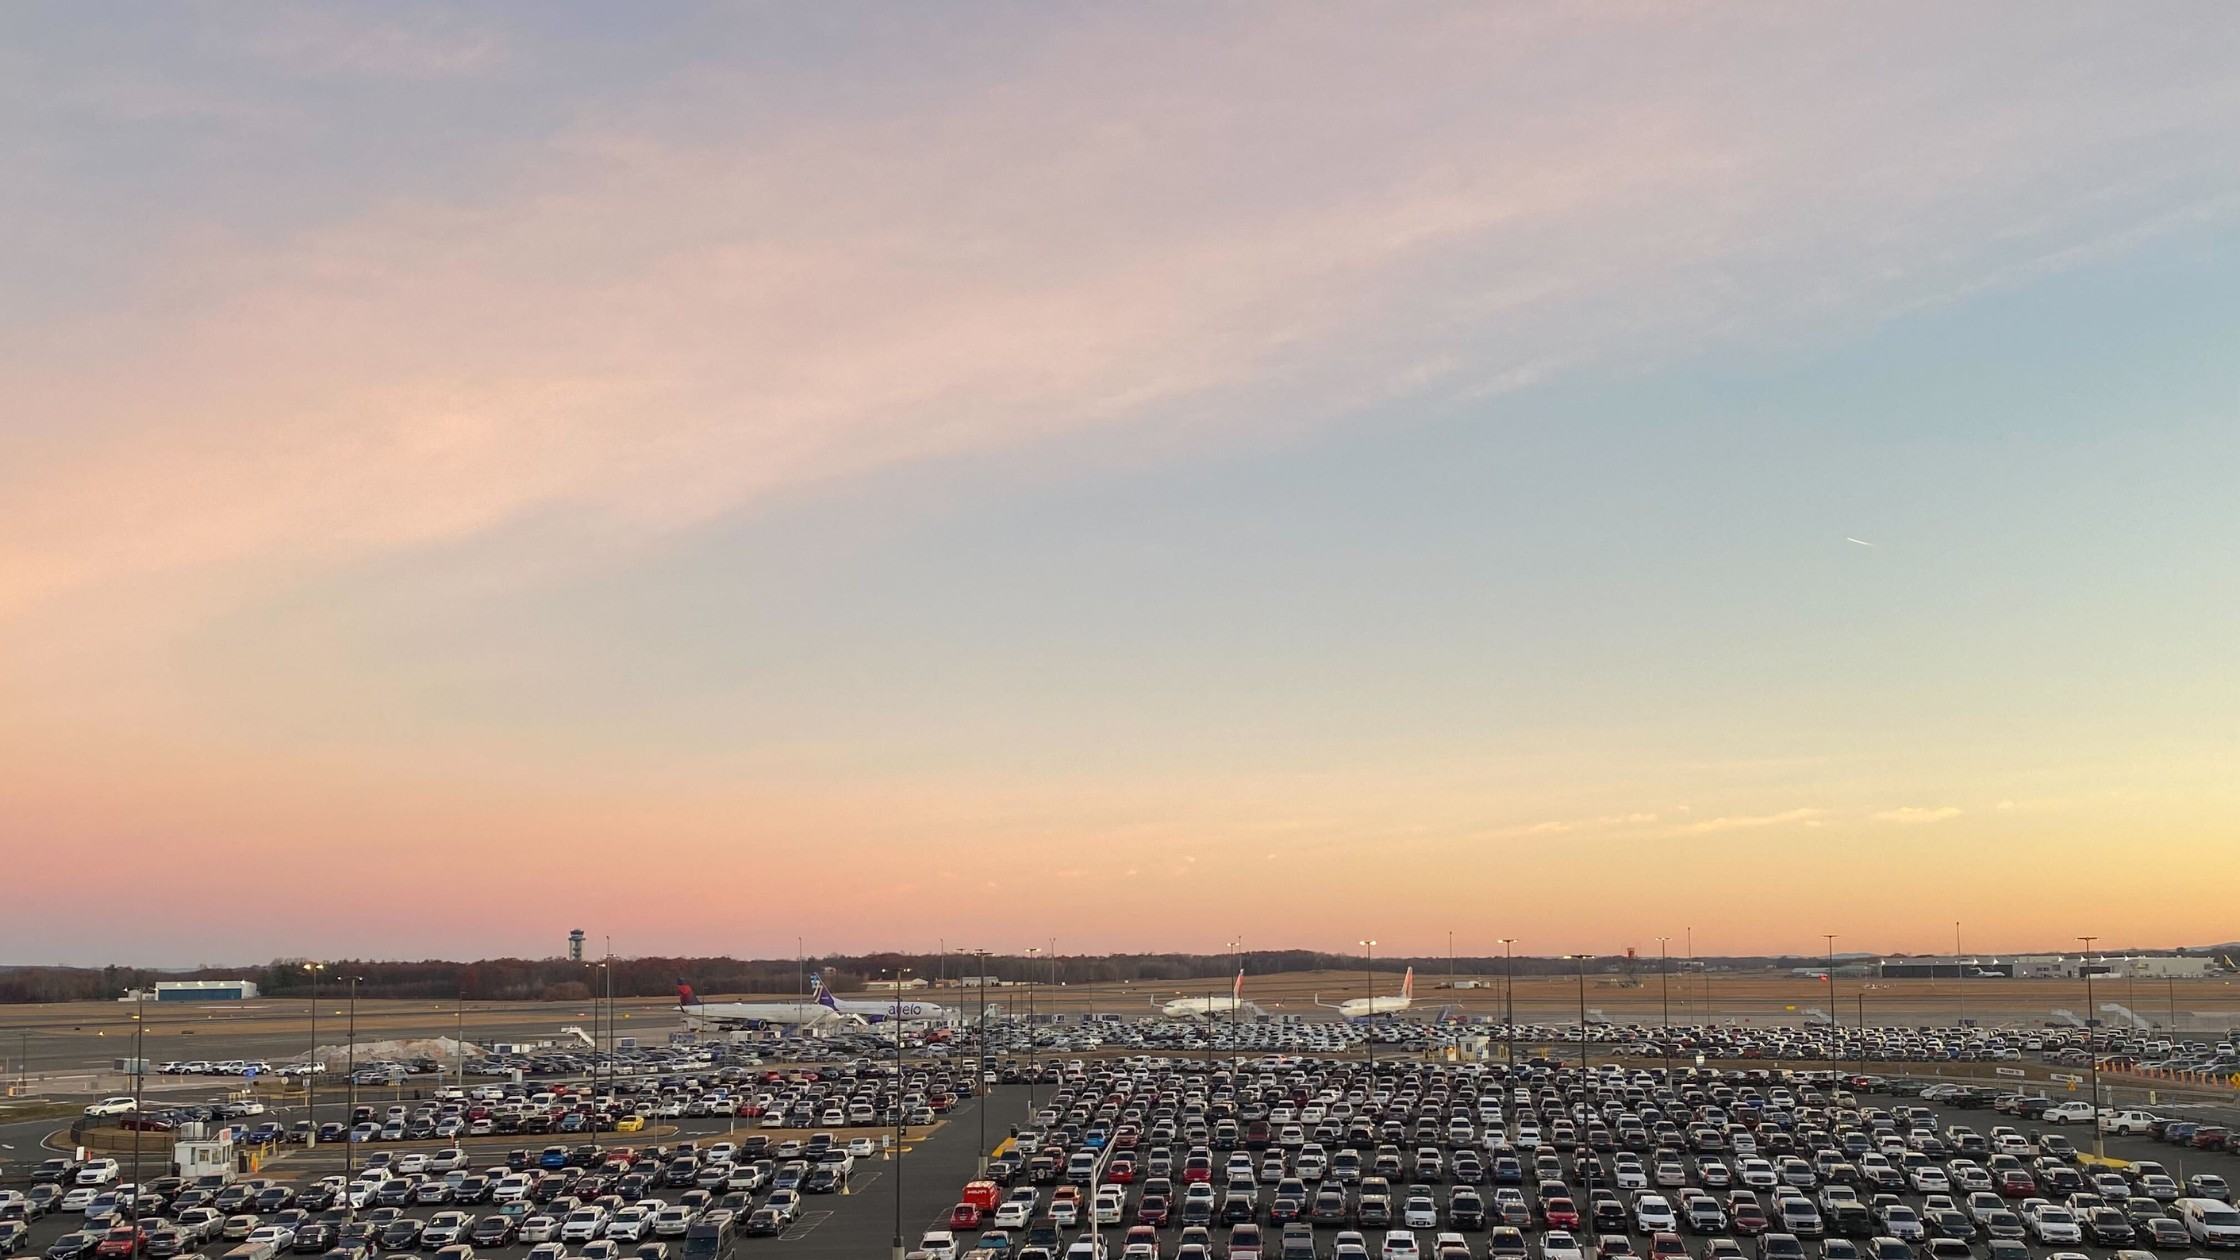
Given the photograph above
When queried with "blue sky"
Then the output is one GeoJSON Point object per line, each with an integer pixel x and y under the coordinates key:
{"type": "Point", "coordinates": [1146, 444]}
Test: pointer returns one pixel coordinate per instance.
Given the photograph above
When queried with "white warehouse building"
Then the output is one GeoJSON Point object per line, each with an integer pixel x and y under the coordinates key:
{"type": "Point", "coordinates": [205, 990]}
{"type": "Point", "coordinates": [2166, 968]}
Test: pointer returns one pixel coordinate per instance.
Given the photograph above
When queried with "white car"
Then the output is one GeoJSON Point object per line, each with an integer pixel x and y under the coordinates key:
{"type": "Point", "coordinates": [583, 1224]}
{"type": "Point", "coordinates": [110, 1107]}
{"type": "Point", "coordinates": [1558, 1244]}
{"type": "Point", "coordinates": [540, 1228]}
{"type": "Point", "coordinates": [2050, 1223]}
{"type": "Point", "coordinates": [1652, 1214]}
{"type": "Point", "coordinates": [449, 1160]}
{"type": "Point", "coordinates": [445, 1228]}
{"type": "Point", "coordinates": [630, 1224]}
{"type": "Point", "coordinates": [1400, 1244]}
{"type": "Point", "coordinates": [2068, 1113]}
{"type": "Point", "coordinates": [98, 1172]}
{"type": "Point", "coordinates": [1013, 1215]}
{"type": "Point", "coordinates": [938, 1244]}
{"type": "Point", "coordinates": [672, 1222]}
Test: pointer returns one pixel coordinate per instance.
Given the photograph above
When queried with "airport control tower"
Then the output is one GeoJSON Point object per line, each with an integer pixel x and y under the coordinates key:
{"type": "Point", "coordinates": [575, 945]}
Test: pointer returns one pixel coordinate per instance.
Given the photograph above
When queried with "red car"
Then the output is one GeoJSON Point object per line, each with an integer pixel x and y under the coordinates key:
{"type": "Point", "coordinates": [2017, 1184]}
{"type": "Point", "coordinates": [1152, 1211]}
{"type": "Point", "coordinates": [121, 1243]}
{"type": "Point", "coordinates": [965, 1216]}
{"type": "Point", "coordinates": [1559, 1213]}
{"type": "Point", "coordinates": [1122, 1171]}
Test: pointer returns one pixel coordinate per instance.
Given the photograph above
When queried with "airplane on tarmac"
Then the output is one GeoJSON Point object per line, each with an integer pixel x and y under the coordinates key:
{"type": "Point", "coordinates": [716, 1016]}
{"type": "Point", "coordinates": [1365, 1008]}
{"type": "Point", "coordinates": [875, 1011]}
{"type": "Point", "coordinates": [1211, 1007]}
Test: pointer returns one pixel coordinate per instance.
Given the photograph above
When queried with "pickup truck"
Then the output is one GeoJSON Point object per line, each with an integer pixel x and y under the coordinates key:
{"type": "Point", "coordinates": [2127, 1122]}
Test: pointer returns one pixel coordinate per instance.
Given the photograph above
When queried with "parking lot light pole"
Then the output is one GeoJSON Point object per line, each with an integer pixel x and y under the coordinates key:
{"type": "Point", "coordinates": [2092, 1045]}
{"type": "Point", "coordinates": [139, 1079]}
{"type": "Point", "coordinates": [1835, 1023]}
{"type": "Point", "coordinates": [350, 1066]}
{"type": "Point", "coordinates": [1236, 999]}
{"type": "Point", "coordinates": [311, 1066]}
{"type": "Point", "coordinates": [1664, 988]}
{"type": "Point", "coordinates": [1959, 973]}
{"type": "Point", "coordinates": [1509, 999]}
{"type": "Point", "coordinates": [1034, 1048]}
{"type": "Point", "coordinates": [1585, 1056]}
{"type": "Point", "coordinates": [1369, 972]}
{"type": "Point", "coordinates": [980, 1077]}
{"type": "Point", "coordinates": [900, 1131]}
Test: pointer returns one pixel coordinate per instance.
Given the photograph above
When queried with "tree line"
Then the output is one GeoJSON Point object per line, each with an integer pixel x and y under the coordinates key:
{"type": "Point", "coordinates": [558, 979]}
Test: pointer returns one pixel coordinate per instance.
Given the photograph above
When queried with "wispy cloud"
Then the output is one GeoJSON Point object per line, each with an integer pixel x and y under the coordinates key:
{"type": "Point", "coordinates": [399, 43]}
{"type": "Point", "coordinates": [1914, 816]}
{"type": "Point", "coordinates": [1741, 822]}
{"type": "Point", "coordinates": [655, 321]}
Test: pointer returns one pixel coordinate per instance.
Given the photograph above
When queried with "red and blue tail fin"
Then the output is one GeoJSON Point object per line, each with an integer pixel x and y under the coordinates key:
{"type": "Point", "coordinates": [685, 995]}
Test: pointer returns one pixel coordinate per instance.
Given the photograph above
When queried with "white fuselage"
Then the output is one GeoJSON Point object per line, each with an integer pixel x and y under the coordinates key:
{"type": "Point", "coordinates": [905, 1009]}
{"type": "Point", "coordinates": [1356, 1008]}
{"type": "Point", "coordinates": [1203, 1008]}
{"type": "Point", "coordinates": [705, 1015]}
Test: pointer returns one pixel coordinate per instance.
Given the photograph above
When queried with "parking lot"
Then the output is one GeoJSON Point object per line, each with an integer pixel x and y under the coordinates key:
{"type": "Point", "coordinates": [1181, 1140]}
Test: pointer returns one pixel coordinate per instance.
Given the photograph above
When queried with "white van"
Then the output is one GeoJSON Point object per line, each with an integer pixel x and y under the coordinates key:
{"type": "Point", "coordinates": [2209, 1222]}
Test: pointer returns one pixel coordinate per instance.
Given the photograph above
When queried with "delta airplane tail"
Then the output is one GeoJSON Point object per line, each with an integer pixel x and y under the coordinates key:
{"type": "Point", "coordinates": [685, 996]}
{"type": "Point", "coordinates": [1236, 991]}
{"type": "Point", "coordinates": [1408, 985]}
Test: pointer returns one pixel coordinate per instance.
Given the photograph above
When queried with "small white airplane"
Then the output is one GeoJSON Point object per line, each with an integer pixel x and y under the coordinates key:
{"type": "Point", "coordinates": [1211, 1007]}
{"type": "Point", "coordinates": [1364, 1008]}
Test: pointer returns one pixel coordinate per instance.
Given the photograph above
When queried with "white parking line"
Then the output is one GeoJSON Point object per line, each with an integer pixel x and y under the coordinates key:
{"type": "Point", "coordinates": [804, 1224]}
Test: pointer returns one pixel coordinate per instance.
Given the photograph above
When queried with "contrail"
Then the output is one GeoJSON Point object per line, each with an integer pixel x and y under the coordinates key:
{"type": "Point", "coordinates": [1861, 541]}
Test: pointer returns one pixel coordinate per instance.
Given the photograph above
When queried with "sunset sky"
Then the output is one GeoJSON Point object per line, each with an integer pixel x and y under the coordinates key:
{"type": "Point", "coordinates": [1137, 474]}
